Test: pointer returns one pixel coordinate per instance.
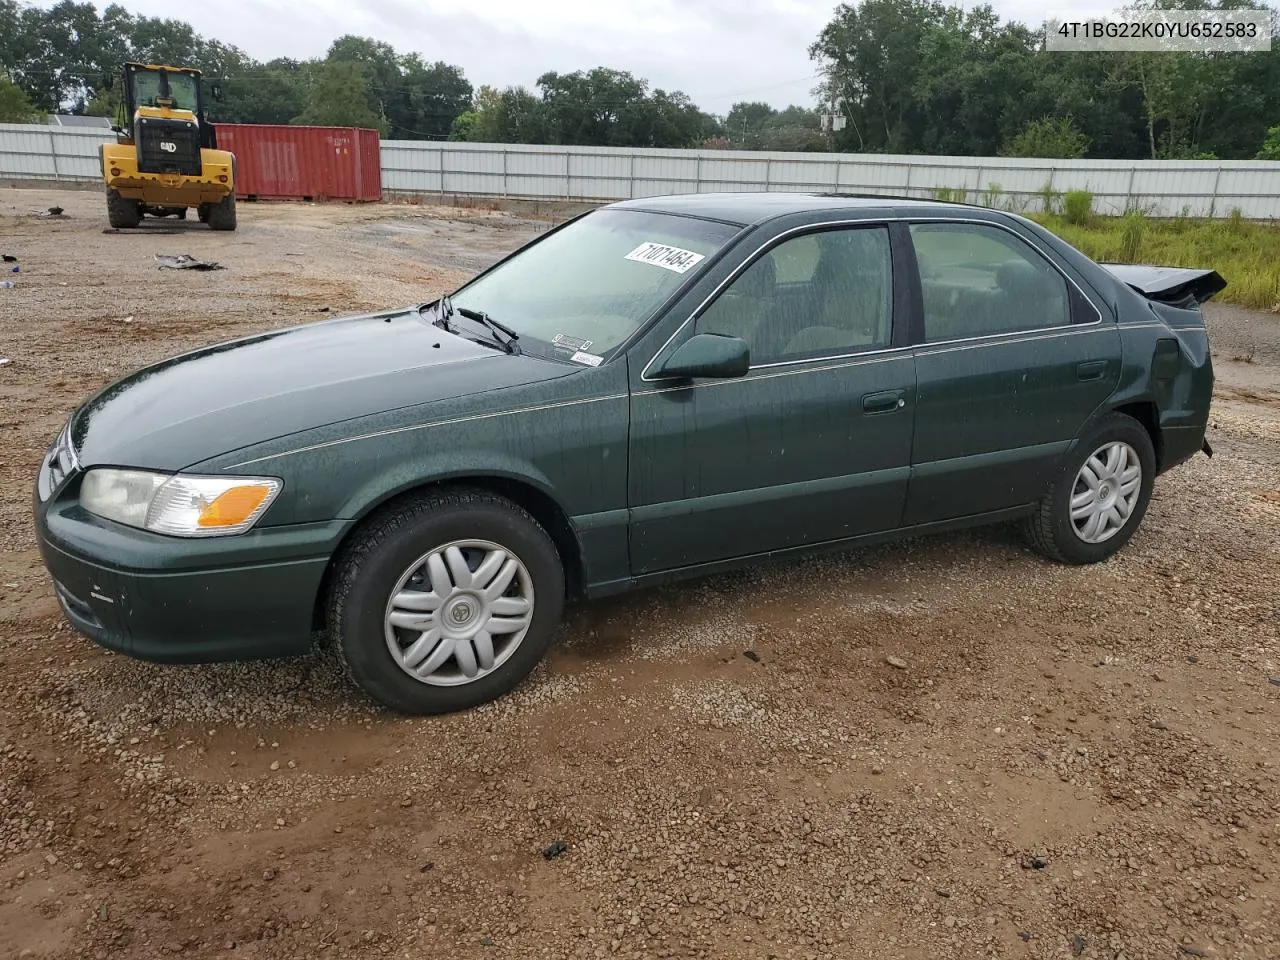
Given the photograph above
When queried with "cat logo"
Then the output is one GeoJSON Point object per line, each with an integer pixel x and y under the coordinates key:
{"type": "Point", "coordinates": [168, 146]}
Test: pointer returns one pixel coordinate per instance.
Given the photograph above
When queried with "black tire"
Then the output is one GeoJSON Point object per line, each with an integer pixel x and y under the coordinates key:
{"type": "Point", "coordinates": [1050, 529]}
{"type": "Point", "coordinates": [122, 213]}
{"type": "Point", "coordinates": [182, 213]}
{"type": "Point", "coordinates": [222, 215]}
{"type": "Point", "coordinates": [371, 564]}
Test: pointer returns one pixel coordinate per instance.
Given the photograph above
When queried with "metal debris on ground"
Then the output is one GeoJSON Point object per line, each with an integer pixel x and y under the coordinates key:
{"type": "Point", "coordinates": [49, 214]}
{"type": "Point", "coordinates": [7, 285]}
{"type": "Point", "coordinates": [555, 849]}
{"type": "Point", "coordinates": [184, 261]}
{"type": "Point", "coordinates": [5, 361]}
{"type": "Point", "coordinates": [8, 258]}
{"type": "Point", "coordinates": [751, 655]}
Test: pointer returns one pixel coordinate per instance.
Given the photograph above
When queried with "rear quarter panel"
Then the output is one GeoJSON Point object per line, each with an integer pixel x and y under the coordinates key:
{"type": "Point", "coordinates": [1182, 398]}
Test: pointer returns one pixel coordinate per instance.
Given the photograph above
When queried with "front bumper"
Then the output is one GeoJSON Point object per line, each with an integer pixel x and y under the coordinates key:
{"type": "Point", "coordinates": [179, 600]}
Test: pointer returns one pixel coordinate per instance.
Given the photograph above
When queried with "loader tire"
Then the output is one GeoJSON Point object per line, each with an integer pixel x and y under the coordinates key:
{"type": "Point", "coordinates": [222, 215]}
{"type": "Point", "coordinates": [121, 212]}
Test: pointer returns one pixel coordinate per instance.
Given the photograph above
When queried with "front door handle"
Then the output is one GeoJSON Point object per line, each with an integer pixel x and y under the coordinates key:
{"type": "Point", "coordinates": [883, 402]}
{"type": "Point", "coordinates": [1093, 370]}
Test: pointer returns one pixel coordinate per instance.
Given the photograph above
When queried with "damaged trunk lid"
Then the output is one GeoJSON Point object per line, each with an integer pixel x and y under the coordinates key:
{"type": "Point", "coordinates": [1176, 286]}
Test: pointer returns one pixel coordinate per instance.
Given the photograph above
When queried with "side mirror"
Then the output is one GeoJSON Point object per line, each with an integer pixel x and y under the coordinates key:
{"type": "Point", "coordinates": [708, 355]}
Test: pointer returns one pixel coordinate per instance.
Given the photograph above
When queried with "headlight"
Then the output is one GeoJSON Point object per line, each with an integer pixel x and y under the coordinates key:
{"type": "Point", "coordinates": [182, 506]}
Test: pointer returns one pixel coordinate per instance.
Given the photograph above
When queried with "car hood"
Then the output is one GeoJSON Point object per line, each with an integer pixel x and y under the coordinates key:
{"type": "Point", "coordinates": [230, 395]}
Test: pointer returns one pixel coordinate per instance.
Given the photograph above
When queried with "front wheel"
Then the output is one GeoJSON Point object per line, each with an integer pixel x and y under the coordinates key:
{"type": "Point", "coordinates": [1100, 495]}
{"type": "Point", "coordinates": [446, 602]}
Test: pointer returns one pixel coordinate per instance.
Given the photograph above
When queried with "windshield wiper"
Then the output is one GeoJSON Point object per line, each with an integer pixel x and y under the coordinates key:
{"type": "Point", "coordinates": [502, 335]}
{"type": "Point", "coordinates": [444, 310]}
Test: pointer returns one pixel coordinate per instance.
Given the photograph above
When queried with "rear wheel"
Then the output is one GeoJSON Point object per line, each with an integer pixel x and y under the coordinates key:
{"type": "Point", "coordinates": [122, 212]}
{"type": "Point", "coordinates": [1100, 496]}
{"type": "Point", "coordinates": [446, 602]}
{"type": "Point", "coordinates": [222, 215]}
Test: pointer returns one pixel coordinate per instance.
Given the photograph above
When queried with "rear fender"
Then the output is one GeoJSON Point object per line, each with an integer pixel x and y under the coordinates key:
{"type": "Point", "coordinates": [1167, 365]}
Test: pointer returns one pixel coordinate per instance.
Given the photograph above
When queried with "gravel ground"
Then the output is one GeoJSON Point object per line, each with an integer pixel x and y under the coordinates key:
{"type": "Point", "coordinates": [939, 748]}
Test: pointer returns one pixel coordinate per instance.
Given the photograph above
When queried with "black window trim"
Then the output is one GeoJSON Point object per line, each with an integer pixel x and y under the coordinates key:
{"type": "Point", "coordinates": [914, 320]}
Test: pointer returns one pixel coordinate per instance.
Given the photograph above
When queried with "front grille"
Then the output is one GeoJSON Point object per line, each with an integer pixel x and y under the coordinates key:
{"type": "Point", "coordinates": [168, 146]}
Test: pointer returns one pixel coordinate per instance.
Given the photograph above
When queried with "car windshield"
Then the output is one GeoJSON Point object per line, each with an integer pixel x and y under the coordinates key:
{"type": "Point", "coordinates": [590, 285]}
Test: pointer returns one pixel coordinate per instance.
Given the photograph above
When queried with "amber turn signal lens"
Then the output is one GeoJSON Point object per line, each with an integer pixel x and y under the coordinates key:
{"type": "Point", "coordinates": [233, 507]}
{"type": "Point", "coordinates": [222, 178]}
{"type": "Point", "coordinates": [115, 171]}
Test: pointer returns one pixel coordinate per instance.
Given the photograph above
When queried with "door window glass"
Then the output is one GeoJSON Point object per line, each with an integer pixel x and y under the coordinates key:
{"type": "Point", "coordinates": [821, 294]}
{"type": "Point", "coordinates": [979, 280]}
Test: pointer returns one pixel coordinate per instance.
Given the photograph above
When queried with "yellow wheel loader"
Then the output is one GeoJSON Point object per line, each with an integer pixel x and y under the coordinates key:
{"type": "Point", "coordinates": [166, 159]}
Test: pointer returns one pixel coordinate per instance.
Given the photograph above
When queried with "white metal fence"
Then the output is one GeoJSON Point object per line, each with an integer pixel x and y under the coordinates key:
{"type": "Point", "coordinates": [33, 151]}
{"type": "Point", "coordinates": [1162, 188]}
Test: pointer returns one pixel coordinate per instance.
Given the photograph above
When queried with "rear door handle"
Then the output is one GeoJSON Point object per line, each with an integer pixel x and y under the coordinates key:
{"type": "Point", "coordinates": [1093, 370]}
{"type": "Point", "coordinates": [884, 401]}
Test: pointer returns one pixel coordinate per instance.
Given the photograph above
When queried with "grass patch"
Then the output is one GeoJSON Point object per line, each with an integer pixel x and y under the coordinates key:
{"type": "Point", "coordinates": [1247, 254]}
{"type": "Point", "coordinates": [1077, 207]}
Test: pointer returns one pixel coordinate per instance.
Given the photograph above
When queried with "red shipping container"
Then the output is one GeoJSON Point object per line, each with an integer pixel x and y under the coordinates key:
{"type": "Point", "coordinates": [285, 162]}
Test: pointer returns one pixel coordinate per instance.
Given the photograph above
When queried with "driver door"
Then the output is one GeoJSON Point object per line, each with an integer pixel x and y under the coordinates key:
{"type": "Point", "coordinates": [813, 444]}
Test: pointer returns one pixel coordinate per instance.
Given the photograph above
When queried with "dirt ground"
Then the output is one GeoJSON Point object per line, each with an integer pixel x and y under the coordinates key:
{"type": "Point", "coordinates": [1063, 762]}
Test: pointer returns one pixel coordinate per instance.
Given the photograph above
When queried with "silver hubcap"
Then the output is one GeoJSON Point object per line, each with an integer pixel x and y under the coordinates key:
{"type": "Point", "coordinates": [1105, 492]}
{"type": "Point", "coordinates": [459, 612]}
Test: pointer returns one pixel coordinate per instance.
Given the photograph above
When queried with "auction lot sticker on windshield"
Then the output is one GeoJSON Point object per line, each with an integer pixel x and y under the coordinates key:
{"type": "Point", "coordinates": [667, 257]}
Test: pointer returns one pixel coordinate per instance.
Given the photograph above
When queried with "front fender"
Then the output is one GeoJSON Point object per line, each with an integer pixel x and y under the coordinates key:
{"type": "Point", "coordinates": [443, 467]}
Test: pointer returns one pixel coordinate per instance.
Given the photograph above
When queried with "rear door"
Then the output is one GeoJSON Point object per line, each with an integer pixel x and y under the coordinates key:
{"type": "Point", "coordinates": [1011, 360]}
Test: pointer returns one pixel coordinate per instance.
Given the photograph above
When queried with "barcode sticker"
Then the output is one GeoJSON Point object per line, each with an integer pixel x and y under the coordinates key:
{"type": "Point", "coordinates": [667, 257]}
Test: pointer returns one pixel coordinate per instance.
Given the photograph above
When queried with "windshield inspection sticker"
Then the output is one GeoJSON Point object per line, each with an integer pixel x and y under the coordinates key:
{"type": "Point", "coordinates": [667, 257]}
{"type": "Point", "coordinates": [570, 343]}
{"type": "Point", "coordinates": [590, 359]}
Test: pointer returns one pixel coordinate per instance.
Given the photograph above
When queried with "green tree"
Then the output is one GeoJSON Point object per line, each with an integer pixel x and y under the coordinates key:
{"type": "Point", "coordinates": [604, 107]}
{"type": "Point", "coordinates": [746, 122]}
{"type": "Point", "coordinates": [464, 125]}
{"type": "Point", "coordinates": [1270, 146]}
{"type": "Point", "coordinates": [14, 105]}
{"type": "Point", "coordinates": [872, 54]}
{"type": "Point", "coordinates": [1053, 137]}
{"type": "Point", "coordinates": [432, 97]}
{"type": "Point", "coordinates": [340, 97]}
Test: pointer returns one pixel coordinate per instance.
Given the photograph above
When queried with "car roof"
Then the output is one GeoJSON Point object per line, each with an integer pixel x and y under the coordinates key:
{"type": "Point", "coordinates": [746, 209]}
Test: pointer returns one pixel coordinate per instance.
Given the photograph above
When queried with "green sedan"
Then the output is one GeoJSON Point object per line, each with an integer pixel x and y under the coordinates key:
{"type": "Point", "coordinates": [657, 389]}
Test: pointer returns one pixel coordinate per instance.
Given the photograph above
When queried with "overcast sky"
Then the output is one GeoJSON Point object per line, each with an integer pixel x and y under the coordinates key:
{"type": "Point", "coordinates": [717, 51]}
